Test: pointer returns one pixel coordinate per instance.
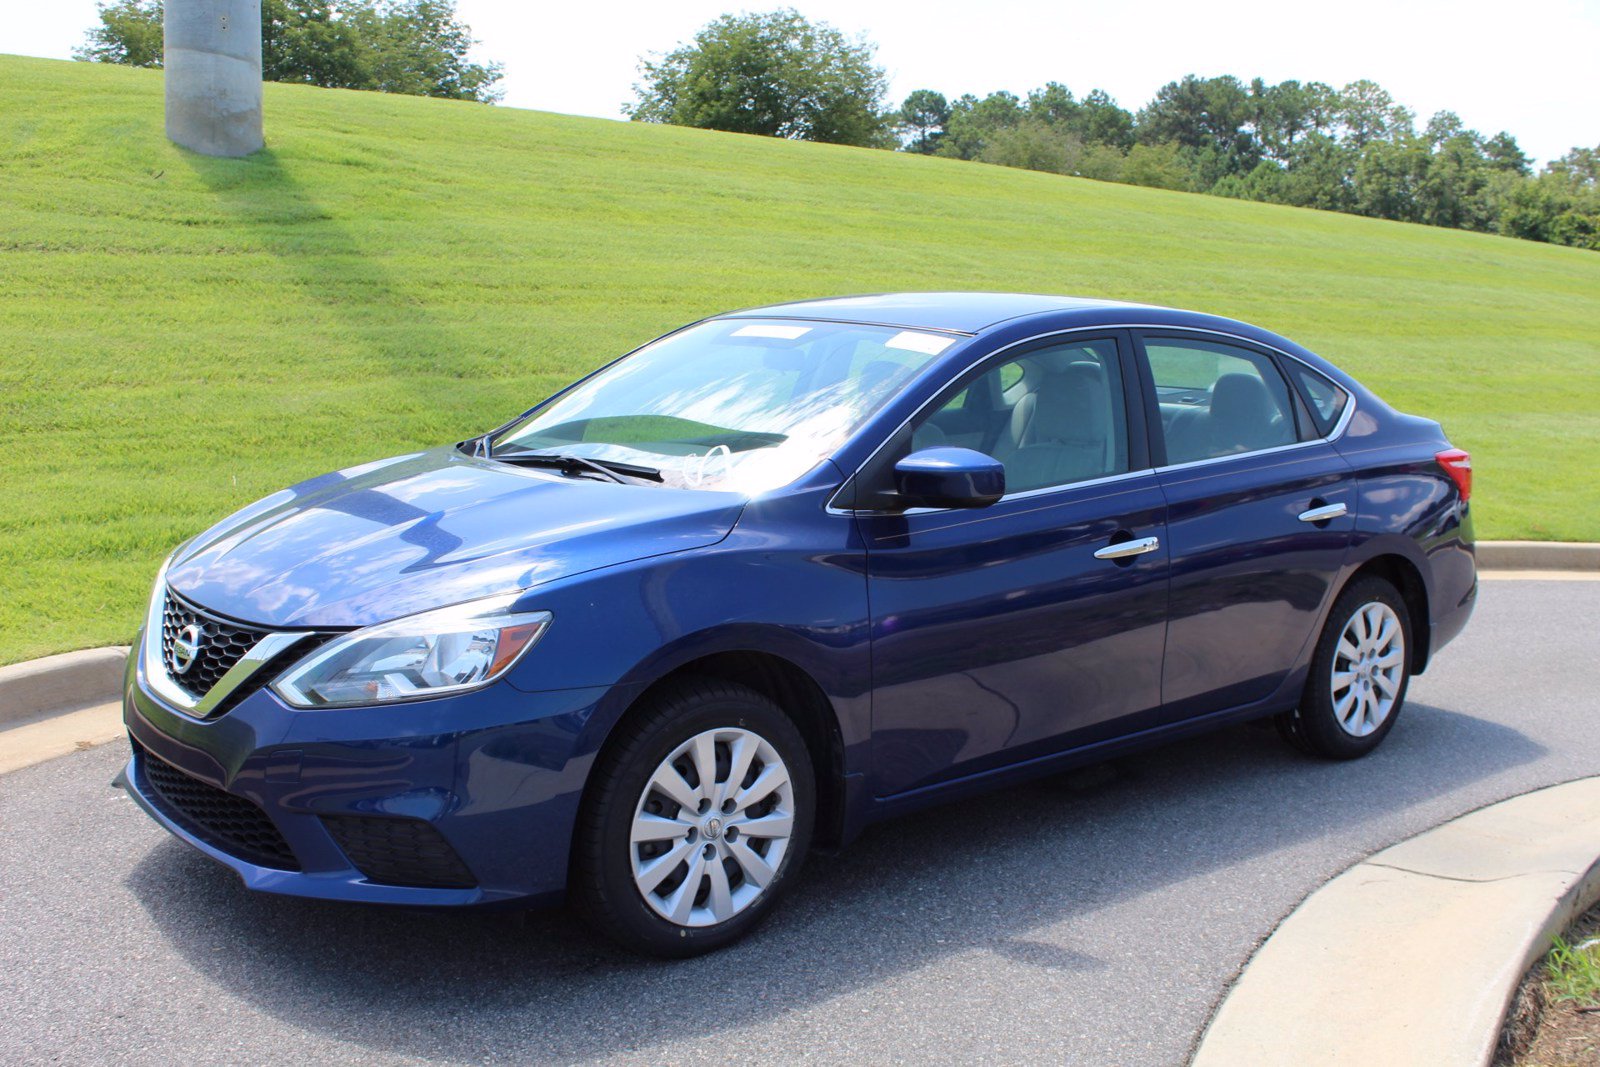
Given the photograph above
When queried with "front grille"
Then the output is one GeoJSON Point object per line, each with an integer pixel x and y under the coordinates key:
{"type": "Point", "coordinates": [222, 644]}
{"type": "Point", "coordinates": [230, 823]}
{"type": "Point", "coordinates": [395, 851]}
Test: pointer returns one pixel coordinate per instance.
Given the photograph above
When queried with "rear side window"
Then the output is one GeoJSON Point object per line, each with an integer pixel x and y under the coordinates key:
{"type": "Point", "coordinates": [1326, 400]}
{"type": "Point", "coordinates": [1218, 399]}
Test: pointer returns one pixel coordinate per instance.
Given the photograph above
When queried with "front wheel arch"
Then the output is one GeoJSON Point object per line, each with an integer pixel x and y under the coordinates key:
{"type": "Point", "coordinates": [794, 691]}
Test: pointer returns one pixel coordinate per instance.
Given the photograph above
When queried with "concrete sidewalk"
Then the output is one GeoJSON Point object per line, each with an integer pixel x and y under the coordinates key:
{"type": "Point", "coordinates": [1412, 956]}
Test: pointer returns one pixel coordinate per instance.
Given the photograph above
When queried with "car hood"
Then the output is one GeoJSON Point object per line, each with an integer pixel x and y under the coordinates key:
{"type": "Point", "coordinates": [428, 530]}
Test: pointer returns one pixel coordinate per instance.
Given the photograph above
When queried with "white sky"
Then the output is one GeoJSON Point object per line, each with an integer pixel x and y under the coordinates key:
{"type": "Point", "coordinates": [1531, 67]}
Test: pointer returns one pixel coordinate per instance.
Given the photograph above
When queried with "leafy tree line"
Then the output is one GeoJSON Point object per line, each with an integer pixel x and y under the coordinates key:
{"type": "Point", "coordinates": [1354, 149]}
{"type": "Point", "coordinates": [416, 47]}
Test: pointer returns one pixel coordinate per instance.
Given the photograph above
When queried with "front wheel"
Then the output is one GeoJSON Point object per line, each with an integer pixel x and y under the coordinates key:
{"type": "Point", "coordinates": [1359, 675]}
{"type": "Point", "coordinates": [700, 812]}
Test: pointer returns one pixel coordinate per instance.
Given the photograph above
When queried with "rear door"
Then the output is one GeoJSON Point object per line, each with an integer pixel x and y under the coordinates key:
{"type": "Point", "coordinates": [1260, 513]}
{"type": "Point", "coordinates": [1009, 632]}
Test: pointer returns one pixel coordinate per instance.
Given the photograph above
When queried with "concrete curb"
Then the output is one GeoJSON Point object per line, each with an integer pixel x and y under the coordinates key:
{"type": "Point", "coordinates": [56, 684]}
{"type": "Point", "coordinates": [1413, 955]}
{"type": "Point", "coordinates": [1538, 556]}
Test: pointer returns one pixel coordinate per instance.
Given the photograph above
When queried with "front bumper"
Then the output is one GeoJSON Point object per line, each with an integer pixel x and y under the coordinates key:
{"type": "Point", "coordinates": [465, 800]}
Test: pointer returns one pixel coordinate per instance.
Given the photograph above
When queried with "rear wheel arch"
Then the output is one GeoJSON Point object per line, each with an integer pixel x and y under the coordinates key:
{"type": "Point", "coordinates": [1406, 577]}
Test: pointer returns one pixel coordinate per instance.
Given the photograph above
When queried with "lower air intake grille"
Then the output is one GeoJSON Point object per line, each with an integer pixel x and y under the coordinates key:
{"type": "Point", "coordinates": [220, 819]}
{"type": "Point", "coordinates": [406, 852]}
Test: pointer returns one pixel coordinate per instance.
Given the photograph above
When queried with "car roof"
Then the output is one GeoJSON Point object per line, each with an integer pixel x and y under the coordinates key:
{"type": "Point", "coordinates": [953, 312]}
{"type": "Point", "coordinates": [975, 313]}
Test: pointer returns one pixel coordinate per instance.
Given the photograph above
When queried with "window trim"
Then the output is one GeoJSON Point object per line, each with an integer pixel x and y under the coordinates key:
{"type": "Point", "coordinates": [1134, 331]}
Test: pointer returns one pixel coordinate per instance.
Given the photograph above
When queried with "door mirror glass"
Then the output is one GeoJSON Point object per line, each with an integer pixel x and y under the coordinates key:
{"type": "Point", "coordinates": [949, 478]}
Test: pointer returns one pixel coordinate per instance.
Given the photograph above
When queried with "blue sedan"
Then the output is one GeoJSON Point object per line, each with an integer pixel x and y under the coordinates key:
{"type": "Point", "coordinates": [776, 575]}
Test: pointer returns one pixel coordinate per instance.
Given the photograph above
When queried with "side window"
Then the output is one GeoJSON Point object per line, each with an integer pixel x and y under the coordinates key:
{"type": "Point", "coordinates": [1053, 416]}
{"type": "Point", "coordinates": [1218, 400]}
{"type": "Point", "coordinates": [1327, 400]}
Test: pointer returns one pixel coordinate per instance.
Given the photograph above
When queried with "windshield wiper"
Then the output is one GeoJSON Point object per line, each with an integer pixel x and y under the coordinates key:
{"type": "Point", "coordinates": [569, 464]}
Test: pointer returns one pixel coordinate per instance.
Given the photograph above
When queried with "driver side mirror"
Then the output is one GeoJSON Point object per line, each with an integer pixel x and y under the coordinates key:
{"type": "Point", "coordinates": [947, 477]}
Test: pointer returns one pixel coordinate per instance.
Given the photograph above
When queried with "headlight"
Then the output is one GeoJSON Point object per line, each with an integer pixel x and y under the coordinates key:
{"type": "Point", "coordinates": [420, 656]}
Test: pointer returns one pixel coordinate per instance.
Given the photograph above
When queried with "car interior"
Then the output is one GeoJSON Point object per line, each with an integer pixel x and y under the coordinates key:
{"type": "Point", "coordinates": [1217, 400]}
{"type": "Point", "coordinates": [1053, 416]}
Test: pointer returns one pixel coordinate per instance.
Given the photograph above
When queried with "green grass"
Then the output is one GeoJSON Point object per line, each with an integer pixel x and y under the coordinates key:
{"type": "Point", "coordinates": [180, 335]}
{"type": "Point", "coordinates": [1572, 972]}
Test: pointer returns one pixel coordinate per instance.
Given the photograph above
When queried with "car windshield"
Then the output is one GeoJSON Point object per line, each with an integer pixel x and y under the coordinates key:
{"type": "Point", "coordinates": [741, 405]}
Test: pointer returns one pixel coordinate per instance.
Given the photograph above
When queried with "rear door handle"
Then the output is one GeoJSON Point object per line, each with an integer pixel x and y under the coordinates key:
{"type": "Point", "coordinates": [1126, 549]}
{"type": "Point", "coordinates": [1324, 513]}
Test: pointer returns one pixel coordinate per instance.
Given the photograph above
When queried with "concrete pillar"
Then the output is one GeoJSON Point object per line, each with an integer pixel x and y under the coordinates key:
{"type": "Point", "coordinates": [213, 74]}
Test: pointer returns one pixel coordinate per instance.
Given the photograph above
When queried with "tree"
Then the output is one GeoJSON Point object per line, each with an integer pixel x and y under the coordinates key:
{"type": "Point", "coordinates": [1054, 105]}
{"type": "Point", "coordinates": [1101, 122]}
{"type": "Point", "coordinates": [419, 48]}
{"type": "Point", "coordinates": [775, 74]}
{"type": "Point", "coordinates": [1204, 113]}
{"type": "Point", "coordinates": [1367, 112]}
{"type": "Point", "coordinates": [1283, 113]}
{"type": "Point", "coordinates": [1354, 150]}
{"type": "Point", "coordinates": [1158, 165]}
{"type": "Point", "coordinates": [303, 41]}
{"type": "Point", "coordinates": [1579, 168]}
{"type": "Point", "coordinates": [1444, 126]}
{"type": "Point", "coordinates": [973, 123]}
{"type": "Point", "coordinates": [1103, 162]}
{"type": "Point", "coordinates": [1388, 175]}
{"type": "Point", "coordinates": [923, 117]}
{"type": "Point", "coordinates": [129, 33]}
{"type": "Point", "coordinates": [1505, 154]}
{"type": "Point", "coordinates": [1320, 173]}
{"type": "Point", "coordinates": [1034, 144]}
{"type": "Point", "coordinates": [416, 47]}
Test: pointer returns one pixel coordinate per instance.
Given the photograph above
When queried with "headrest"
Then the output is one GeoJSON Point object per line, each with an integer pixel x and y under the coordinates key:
{"type": "Point", "coordinates": [1071, 406]}
{"type": "Point", "coordinates": [1242, 411]}
{"type": "Point", "coordinates": [1241, 396]}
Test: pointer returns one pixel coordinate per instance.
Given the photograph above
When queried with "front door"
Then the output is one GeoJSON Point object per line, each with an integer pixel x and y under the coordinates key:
{"type": "Point", "coordinates": [999, 634]}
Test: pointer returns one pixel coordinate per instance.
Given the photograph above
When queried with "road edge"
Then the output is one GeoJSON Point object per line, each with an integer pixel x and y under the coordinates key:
{"type": "Point", "coordinates": [57, 685]}
{"type": "Point", "coordinates": [1414, 954]}
{"type": "Point", "coordinates": [1538, 556]}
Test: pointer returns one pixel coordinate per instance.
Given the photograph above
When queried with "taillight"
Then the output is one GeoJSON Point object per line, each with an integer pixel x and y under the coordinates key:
{"type": "Point", "coordinates": [1457, 463]}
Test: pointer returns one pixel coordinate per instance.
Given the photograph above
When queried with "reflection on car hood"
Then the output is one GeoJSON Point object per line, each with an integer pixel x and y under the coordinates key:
{"type": "Point", "coordinates": [424, 531]}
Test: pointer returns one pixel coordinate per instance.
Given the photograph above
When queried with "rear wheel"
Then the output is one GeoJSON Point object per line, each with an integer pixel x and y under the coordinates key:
{"type": "Point", "coordinates": [1359, 675]}
{"type": "Point", "coordinates": [700, 812]}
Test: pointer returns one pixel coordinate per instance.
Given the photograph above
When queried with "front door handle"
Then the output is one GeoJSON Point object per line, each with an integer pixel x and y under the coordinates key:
{"type": "Point", "coordinates": [1128, 549]}
{"type": "Point", "coordinates": [1324, 513]}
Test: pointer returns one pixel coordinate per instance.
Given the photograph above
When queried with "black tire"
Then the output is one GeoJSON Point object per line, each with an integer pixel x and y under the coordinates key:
{"type": "Point", "coordinates": [1314, 727]}
{"type": "Point", "coordinates": [602, 886]}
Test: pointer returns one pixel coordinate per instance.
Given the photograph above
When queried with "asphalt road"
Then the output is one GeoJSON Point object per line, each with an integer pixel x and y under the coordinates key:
{"type": "Point", "coordinates": [1089, 918]}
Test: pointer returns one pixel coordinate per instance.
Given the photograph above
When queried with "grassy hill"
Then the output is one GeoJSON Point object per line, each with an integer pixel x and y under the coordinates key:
{"type": "Point", "coordinates": [180, 335]}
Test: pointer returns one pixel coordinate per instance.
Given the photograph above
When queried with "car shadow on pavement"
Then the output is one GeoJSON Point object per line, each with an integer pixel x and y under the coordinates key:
{"type": "Point", "coordinates": [987, 875]}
